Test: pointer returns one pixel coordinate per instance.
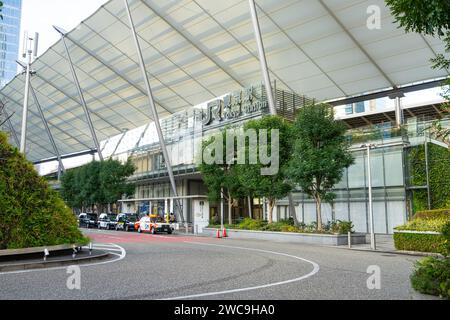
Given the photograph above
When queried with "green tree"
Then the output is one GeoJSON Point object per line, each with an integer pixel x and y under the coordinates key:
{"type": "Point", "coordinates": [31, 213]}
{"type": "Point", "coordinates": [97, 184]}
{"type": "Point", "coordinates": [220, 176]}
{"type": "Point", "coordinates": [320, 154]}
{"type": "Point", "coordinates": [275, 186]}
{"type": "Point", "coordinates": [113, 179]}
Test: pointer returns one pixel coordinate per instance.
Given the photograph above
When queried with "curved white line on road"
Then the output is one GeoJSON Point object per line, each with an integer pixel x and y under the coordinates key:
{"type": "Point", "coordinates": [312, 273]}
{"type": "Point", "coordinates": [121, 256]}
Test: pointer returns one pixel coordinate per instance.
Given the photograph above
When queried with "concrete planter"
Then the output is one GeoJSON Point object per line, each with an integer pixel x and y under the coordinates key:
{"type": "Point", "coordinates": [317, 239]}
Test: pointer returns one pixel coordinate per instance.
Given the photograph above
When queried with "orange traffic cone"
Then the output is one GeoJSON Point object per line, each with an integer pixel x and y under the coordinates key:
{"type": "Point", "coordinates": [218, 234]}
{"type": "Point", "coordinates": [225, 233]}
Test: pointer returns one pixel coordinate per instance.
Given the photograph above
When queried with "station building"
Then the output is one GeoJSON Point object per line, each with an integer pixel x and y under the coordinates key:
{"type": "Point", "coordinates": [92, 96]}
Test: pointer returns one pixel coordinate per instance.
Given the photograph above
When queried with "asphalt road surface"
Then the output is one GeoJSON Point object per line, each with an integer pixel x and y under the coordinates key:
{"type": "Point", "coordinates": [186, 267]}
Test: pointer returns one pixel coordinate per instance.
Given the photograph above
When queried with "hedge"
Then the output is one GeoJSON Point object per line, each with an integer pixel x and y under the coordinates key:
{"type": "Point", "coordinates": [433, 214]}
{"type": "Point", "coordinates": [31, 213]}
{"type": "Point", "coordinates": [435, 243]}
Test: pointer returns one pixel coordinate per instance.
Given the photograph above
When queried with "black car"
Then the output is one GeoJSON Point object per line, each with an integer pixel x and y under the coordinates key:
{"type": "Point", "coordinates": [87, 220]}
{"type": "Point", "coordinates": [126, 222]}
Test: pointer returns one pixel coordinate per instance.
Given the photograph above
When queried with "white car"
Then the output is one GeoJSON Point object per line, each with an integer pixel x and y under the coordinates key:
{"type": "Point", "coordinates": [153, 225]}
{"type": "Point", "coordinates": [107, 221]}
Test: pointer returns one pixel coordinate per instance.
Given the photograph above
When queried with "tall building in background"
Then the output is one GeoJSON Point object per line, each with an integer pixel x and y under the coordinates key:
{"type": "Point", "coordinates": [9, 39]}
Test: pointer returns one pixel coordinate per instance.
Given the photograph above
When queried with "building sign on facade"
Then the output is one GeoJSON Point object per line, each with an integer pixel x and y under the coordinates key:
{"type": "Point", "coordinates": [235, 106]}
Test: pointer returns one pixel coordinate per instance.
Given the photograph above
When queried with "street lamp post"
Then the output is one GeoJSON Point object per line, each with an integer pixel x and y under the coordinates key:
{"type": "Point", "coordinates": [29, 52]}
{"type": "Point", "coordinates": [369, 178]}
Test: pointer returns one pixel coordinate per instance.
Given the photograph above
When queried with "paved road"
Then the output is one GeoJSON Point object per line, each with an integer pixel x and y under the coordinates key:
{"type": "Point", "coordinates": [166, 267]}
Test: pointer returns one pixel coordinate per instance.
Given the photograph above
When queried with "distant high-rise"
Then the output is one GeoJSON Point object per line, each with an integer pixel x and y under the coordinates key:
{"type": "Point", "coordinates": [9, 39]}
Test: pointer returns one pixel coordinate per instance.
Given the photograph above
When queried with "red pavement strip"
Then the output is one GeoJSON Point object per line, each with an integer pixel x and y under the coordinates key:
{"type": "Point", "coordinates": [123, 237]}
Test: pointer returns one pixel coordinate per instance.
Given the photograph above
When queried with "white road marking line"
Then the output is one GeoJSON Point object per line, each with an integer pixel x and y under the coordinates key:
{"type": "Point", "coordinates": [121, 256]}
{"type": "Point", "coordinates": [314, 272]}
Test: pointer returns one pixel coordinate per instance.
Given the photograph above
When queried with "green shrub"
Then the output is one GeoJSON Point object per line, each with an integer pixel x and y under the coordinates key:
{"type": "Point", "coordinates": [432, 276]}
{"type": "Point", "coordinates": [433, 214]}
{"type": "Point", "coordinates": [435, 225]}
{"type": "Point", "coordinates": [342, 227]}
{"type": "Point", "coordinates": [251, 224]}
{"type": "Point", "coordinates": [435, 243]}
{"type": "Point", "coordinates": [31, 213]}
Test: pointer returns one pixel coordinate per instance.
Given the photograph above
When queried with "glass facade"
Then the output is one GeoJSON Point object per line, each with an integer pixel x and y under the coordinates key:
{"type": "Point", "coordinates": [9, 39]}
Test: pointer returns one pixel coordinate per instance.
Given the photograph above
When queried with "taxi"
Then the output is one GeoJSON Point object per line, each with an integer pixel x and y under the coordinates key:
{"type": "Point", "coordinates": [153, 224]}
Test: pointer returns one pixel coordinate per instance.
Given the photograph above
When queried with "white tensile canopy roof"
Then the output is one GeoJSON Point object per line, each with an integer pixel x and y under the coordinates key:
{"type": "Point", "coordinates": [196, 50]}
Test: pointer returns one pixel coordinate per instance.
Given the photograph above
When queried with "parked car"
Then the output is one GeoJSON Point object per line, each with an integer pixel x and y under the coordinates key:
{"type": "Point", "coordinates": [154, 225]}
{"type": "Point", "coordinates": [125, 222]}
{"type": "Point", "coordinates": [107, 221]}
{"type": "Point", "coordinates": [87, 220]}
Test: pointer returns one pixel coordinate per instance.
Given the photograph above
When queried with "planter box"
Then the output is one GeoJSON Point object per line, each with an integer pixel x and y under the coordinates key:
{"type": "Point", "coordinates": [421, 241]}
{"type": "Point", "coordinates": [318, 239]}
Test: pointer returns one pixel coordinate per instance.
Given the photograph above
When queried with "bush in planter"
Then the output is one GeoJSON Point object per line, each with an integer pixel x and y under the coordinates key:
{"type": "Point", "coordinates": [31, 213]}
{"type": "Point", "coordinates": [434, 222]}
{"type": "Point", "coordinates": [435, 243]}
{"type": "Point", "coordinates": [433, 214]}
{"type": "Point", "coordinates": [432, 276]}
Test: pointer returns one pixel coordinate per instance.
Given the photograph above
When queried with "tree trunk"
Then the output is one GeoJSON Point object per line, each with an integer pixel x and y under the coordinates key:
{"type": "Point", "coordinates": [250, 207]}
{"type": "Point", "coordinates": [319, 213]}
{"type": "Point", "coordinates": [270, 214]}
{"type": "Point", "coordinates": [292, 211]}
{"type": "Point", "coordinates": [230, 209]}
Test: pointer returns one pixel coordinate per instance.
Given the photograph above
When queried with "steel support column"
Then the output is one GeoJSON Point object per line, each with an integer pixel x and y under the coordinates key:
{"type": "Point", "coordinates": [262, 58]}
{"type": "Point", "coordinates": [152, 102]}
{"type": "Point", "coordinates": [13, 132]}
{"type": "Point", "coordinates": [23, 134]}
{"type": "Point", "coordinates": [49, 133]}
{"type": "Point", "coordinates": [80, 93]}
{"type": "Point", "coordinates": [398, 112]}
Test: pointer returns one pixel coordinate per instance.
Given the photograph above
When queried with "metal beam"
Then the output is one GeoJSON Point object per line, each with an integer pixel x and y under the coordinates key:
{"type": "Point", "coordinates": [56, 127]}
{"type": "Point", "coordinates": [360, 47]}
{"type": "Point", "coordinates": [239, 42]}
{"type": "Point", "coordinates": [432, 50]}
{"type": "Point", "coordinates": [118, 144]}
{"type": "Point", "coordinates": [68, 156]}
{"type": "Point", "coordinates": [387, 92]}
{"type": "Point", "coordinates": [302, 51]}
{"type": "Point", "coordinates": [183, 70]}
{"type": "Point", "coordinates": [11, 128]}
{"type": "Point", "coordinates": [262, 58]}
{"type": "Point", "coordinates": [69, 97]}
{"type": "Point", "coordinates": [151, 100]}
{"type": "Point", "coordinates": [116, 72]}
{"type": "Point", "coordinates": [49, 133]}
{"type": "Point", "coordinates": [80, 93]}
{"type": "Point", "coordinates": [202, 51]}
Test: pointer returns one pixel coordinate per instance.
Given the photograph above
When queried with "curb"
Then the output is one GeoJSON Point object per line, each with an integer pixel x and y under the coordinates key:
{"type": "Point", "coordinates": [400, 252]}
{"type": "Point", "coordinates": [52, 264]}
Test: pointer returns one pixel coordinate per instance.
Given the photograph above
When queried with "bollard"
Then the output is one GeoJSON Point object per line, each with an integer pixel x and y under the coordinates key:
{"type": "Point", "coordinates": [90, 248]}
{"type": "Point", "coordinates": [74, 254]}
{"type": "Point", "coordinates": [349, 240]}
{"type": "Point", "coordinates": [46, 254]}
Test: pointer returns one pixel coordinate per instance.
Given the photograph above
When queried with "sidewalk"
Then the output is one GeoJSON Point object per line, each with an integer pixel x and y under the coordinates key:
{"type": "Point", "coordinates": [385, 244]}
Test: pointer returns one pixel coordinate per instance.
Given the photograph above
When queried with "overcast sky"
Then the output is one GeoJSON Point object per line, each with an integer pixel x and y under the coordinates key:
{"type": "Point", "coordinates": [41, 15]}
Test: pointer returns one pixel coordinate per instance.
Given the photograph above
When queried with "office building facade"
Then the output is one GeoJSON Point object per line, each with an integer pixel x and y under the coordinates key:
{"type": "Point", "coordinates": [9, 39]}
